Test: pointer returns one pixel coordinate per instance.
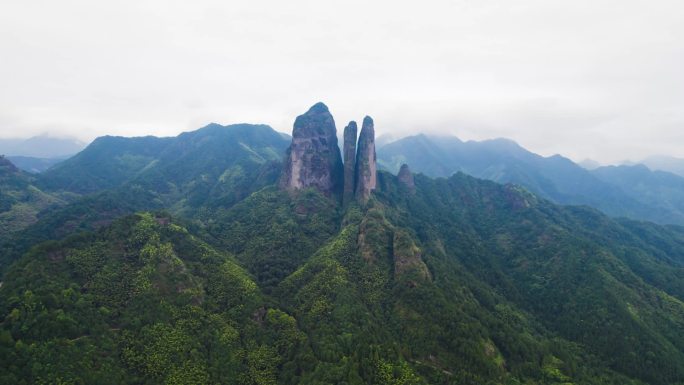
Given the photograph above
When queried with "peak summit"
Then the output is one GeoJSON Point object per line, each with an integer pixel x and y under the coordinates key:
{"type": "Point", "coordinates": [319, 107]}
{"type": "Point", "coordinates": [314, 159]}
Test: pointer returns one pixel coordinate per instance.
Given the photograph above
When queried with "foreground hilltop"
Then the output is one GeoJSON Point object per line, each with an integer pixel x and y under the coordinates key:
{"type": "Point", "coordinates": [407, 280]}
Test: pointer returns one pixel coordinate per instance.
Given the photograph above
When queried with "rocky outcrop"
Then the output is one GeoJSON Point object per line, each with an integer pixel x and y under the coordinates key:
{"type": "Point", "coordinates": [349, 162]}
{"type": "Point", "coordinates": [366, 168]}
{"type": "Point", "coordinates": [406, 178]}
{"type": "Point", "coordinates": [313, 159]}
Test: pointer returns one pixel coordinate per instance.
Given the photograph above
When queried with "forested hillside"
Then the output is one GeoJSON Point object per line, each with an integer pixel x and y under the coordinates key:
{"type": "Point", "coordinates": [21, 202]}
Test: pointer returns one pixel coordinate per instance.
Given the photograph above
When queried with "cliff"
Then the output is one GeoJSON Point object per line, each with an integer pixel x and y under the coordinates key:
{"type": "Point", "coordinates": [366, 168]}
{"type": "Point", "coordinates": [313, 159]}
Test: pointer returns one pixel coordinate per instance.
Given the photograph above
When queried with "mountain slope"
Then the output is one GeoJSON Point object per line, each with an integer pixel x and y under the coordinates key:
{"type": "Point", "coordinates": [107, 162]}
{"type": "Point", "coordinates": [219, 165]}
{"type": "Point", "coordinates": [665, 163]}
{"type": "Point", "coordinates": [164, 164]}
{"type": "Point", "coordinates": [555, 178]}
{"type": "Point", "coordinates": [457, 281]}
{"type": "Point", "coordinates": [557, 264]}
{"type": "Point", "coordinates": [20, 201]}
{"type": "Point", "coordinates": [34, 165]}
{"type": "Point", "coordinates": [141, 301]}
{"type": "Point", "coordinates": [222, 164]}
{"type": "Point", "coordinates": [658, 189]}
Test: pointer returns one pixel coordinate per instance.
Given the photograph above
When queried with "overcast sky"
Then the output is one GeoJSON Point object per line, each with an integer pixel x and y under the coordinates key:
{"type": "Point", "coordinates": [587, 79]}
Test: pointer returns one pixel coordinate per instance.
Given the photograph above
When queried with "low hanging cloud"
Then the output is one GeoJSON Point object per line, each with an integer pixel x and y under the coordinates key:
{"type": "Point", "coordinates": [587, 79]}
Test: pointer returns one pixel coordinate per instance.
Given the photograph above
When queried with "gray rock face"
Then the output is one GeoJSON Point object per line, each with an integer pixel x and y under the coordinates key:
{"type": "Point", "coordinates": [313, 159]}
{"type": "Point", "coordinates": [406, 177]}
{"type": "Point", "coordinates": [366, 168]}
{"type": "Point", "coordinates": [349, 162]}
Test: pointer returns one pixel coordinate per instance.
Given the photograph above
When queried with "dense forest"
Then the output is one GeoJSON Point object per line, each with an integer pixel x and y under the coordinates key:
{"type": "Point", "coordinates": [191, 265]}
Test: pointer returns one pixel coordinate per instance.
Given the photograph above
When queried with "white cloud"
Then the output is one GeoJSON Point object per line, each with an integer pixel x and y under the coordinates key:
{"type": "Point", "coordinates": [598, 79]}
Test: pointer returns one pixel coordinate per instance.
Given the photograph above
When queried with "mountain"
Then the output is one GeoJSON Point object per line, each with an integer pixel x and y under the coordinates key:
{"type": "Point", "coordinates": [107, 162]}
{"type": "Point", "coordinates": [555, 177]}
{"type": "Point", "coordinates": [665, 163]}
{"type": "Point", "coordinates": [34, 165]}
{"type": "Point", "coordinates": [42, 146]}
{"type": "Point", "coordinates": [657, 189]}
{"type": "Point", "coordinates": [139, 300]}
{"type": "Point", "coordinates": [217, 165]}
{"type": "Point", "coordinates": [249, 280]}
{"type": "Point", "coordinates": [21, 201]}
{"type": "Point", "coordinates": [110, 162]}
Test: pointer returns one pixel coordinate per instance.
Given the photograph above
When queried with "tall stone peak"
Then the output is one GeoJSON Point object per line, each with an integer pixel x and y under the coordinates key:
{"type": "Point", "coordinates": [319, 107]}
{"type": "Point", "coordinates": [313, 158]}
{"type": "Point", "coordinates": [406, 177]}
{"type": "Point", "coordinates": [366, 167]}
{"type": "Point", "coordinates": [349, 151]}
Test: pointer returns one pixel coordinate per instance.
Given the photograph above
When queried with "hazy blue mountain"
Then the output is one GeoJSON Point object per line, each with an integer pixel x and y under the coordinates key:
{"type": "Point", "coordinates": [501, 160]}
{"type": "Point", "coordinates": [658, 189]}
{"type": "Point", "coordinates": [665, 163]}
{"type": "Point", "coordinates": [42, 146]}
{"type": "Point", "coordinates": [589, 164]}
{"type": "Point", "coordinates": [34, 165]}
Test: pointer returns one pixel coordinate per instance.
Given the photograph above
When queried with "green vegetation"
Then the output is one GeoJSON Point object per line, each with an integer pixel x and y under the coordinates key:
{"type": "Point", "coordinates": [198, 270]}
{"type": "Point", "coordinates": [200, 171]}
{"type": "Point", "coordinates": [142, 300]}
{"type": "Point", "coordinates": [21, 202]}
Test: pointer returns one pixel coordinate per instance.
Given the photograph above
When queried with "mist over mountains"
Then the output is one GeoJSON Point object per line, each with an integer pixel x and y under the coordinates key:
{"type": "Point", "coordinates": [38, 153]}
{"type": "Point", "coordinates": [665, 163]}
{"type": "Point", "coordinates": [42, 146]}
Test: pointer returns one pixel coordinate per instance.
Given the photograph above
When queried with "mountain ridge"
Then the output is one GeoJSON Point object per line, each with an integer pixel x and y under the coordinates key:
{"type": "Point", "coordinates": [554, 177]}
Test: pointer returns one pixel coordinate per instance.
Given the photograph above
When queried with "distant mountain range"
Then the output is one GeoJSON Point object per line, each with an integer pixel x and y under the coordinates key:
{"type": "Point", "coordinates": [34, 165]}
{"type": "Point", "coordinates": [665, 163]}
{"type": "Point", "coordinates": [41, 146]}
{"type": "Point", "coordinates": [39, 153]}
{"type": "Point", "coordinates": [629, 191]}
